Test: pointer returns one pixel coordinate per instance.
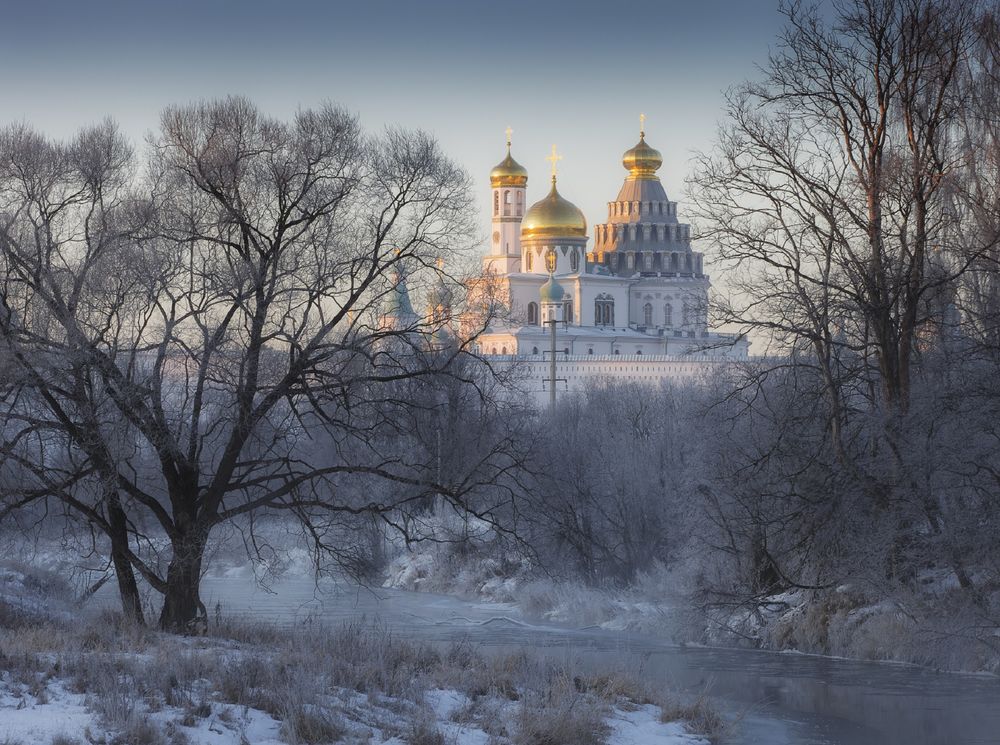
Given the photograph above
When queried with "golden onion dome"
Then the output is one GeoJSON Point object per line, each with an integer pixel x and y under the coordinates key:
{"type": "Point", "coordinates": [553, 217]}
{"type": "Point", "coordinates": [642, 161]}
{"type": "Point", "coordinates": [508, 172]}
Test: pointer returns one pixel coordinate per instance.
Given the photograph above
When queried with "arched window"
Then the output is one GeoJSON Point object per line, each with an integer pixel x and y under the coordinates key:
{"type": "Point", "coordinates": [503, 350]}
{"type": "Point", "coordinates": [647, 314]}
{"type": "Point", "coordinates": [520, 203]}
{"type": "Point", "coordinates": [574, 261]}
{"type": "Point", "coordinates": [528, 260]}
{"type": "Point", "coordinates": [590, 350]}
{"type": "Point", "coordinates": [668, 315]}
{"type": "Point", "coordinates": [648, 258]}
{"type": "Point", "coordinates": [496, 203]}
{"type": "Point", "coordinates": [534, 350]}
{"type": "Point", "coordinates": [685, 313]}
{"type": "Point", "coordinates": [604, 311]}
{"type": "Point", "coordinates": [506, 203]}
{"type": "Point", "coordinates": [568, 312]}
{"type": "Point", "coordinates": [532, 314]}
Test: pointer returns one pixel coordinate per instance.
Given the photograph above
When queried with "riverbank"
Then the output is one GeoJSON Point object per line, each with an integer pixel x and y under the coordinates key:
{"type": "Point", "coordinates": [66, 681]}
{"type": "Point", "coordinates": [937, 627]}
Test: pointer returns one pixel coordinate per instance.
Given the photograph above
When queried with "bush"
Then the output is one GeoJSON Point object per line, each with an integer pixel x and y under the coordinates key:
{"type": "Point", "coordinates": [561, 716]}
{"type": "Point", "coordinates": [424, 732]}
{"type": "Point", "coordinates": [699, 715]}
{"type": "Point", "coordinates": [140, 730]}
{"type": "Point", "coordinates": [310, 725]}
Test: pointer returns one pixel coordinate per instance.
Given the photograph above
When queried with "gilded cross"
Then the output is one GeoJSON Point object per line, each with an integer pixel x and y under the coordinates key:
{"type": "Point", "coordinates": [554, 159]}
{"type": "Point", "coordinates": [642, 125]}
{"type": "Point", "coordinates": [509, 132]}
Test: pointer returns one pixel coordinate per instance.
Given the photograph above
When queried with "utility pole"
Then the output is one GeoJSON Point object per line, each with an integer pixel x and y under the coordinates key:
{"type": "Point", "coordinates": [552, 307]}
{"type": "Point", "coordinates": [551, 378]}
{"type": "Point", "coordinates": [552, 365]}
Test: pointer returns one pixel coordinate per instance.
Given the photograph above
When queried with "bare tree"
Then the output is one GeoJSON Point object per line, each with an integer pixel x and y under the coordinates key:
{"type": "Point", "coordinates": [55, 199]}
{"type": "Point", "coordinates": [612, 476]}
{"type": "Point", "coordinates": [207, 342]}
{"type": "Point", "coordinates": [828, 192]}
{"type": "Point", "coordinates": [851, 195]}
{"type": "Point", "coordinates": [978, 193]}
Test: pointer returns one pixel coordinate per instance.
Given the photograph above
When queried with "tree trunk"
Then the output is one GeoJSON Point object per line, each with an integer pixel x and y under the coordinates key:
{"type": "Point", "coordinates": [183, 612]}
{"type": "Point", "coordinates": [128, 589]}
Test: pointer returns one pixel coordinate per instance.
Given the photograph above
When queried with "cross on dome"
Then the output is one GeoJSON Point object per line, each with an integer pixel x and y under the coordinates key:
{"type": "Point", "coordinates": [509, 132]}
{"type": "Point", "coordinates": [554, 159]}
{"type": "Point", "coordinates": [642, 125]}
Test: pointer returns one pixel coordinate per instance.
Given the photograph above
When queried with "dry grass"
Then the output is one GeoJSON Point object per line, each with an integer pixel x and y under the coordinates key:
{"type": "Point", "coordinates": [562, 715]}
{"type": "Point", "coordinates": [700, 716]}
{"type": "Point", "coordinates": [424, 731]}
{"type": "Point", "coordinates": [307, 725]}
{"type": "Point", "coordinates": [312, 681]}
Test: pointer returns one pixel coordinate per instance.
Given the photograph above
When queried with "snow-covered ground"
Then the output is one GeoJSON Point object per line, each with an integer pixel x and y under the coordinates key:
{"type": "Point", "coordinates": [64, 718]}
{"type": "Point", "coordinates": [68, 682]}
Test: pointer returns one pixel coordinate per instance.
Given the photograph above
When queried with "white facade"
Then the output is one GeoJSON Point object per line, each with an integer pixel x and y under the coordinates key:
{"type": "Point", "coordinates": [634, 304]}
{"type": "Point", "coordinates": [576, 373]}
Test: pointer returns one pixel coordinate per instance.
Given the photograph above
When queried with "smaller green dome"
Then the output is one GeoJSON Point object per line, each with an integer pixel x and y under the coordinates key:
{"type": "Point", "coordinates": [552, 291]}
{"type": "Point", "coordinates": [397, 303]}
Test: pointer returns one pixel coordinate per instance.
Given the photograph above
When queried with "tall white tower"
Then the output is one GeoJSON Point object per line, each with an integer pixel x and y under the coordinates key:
{"type": "Point", "coordinates": [508, 180]}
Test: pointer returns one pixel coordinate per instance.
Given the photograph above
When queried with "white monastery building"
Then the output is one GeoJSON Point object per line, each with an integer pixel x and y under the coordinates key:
{"type": "Point", "coordinates": [631, 304]}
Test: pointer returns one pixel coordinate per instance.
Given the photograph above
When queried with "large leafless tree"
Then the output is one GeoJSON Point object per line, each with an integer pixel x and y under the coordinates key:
{"type": "Point", "coordinates": [200, 340]}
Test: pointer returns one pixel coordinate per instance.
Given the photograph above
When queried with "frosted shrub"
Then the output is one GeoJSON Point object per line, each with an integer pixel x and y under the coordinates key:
{"type": "Point", "coordinates": [580, 605]}
{"type": "Point", "coordinates": [309, 725]}
{"type": "Point", "coordinates": [562, 716]}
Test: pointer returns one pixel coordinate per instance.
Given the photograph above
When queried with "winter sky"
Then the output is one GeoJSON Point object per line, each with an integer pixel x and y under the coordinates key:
{"type": "Point", "coordinates": [576, 73]}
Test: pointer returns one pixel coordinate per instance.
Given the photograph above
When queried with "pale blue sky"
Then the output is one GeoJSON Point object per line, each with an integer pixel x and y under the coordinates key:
{"type": "Point", "coordinates": [576, 74]}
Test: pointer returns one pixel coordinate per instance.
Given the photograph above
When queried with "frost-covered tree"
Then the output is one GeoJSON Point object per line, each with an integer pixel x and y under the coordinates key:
{"type": "Point", "coordinates": [830, 193]}
{"type": "Point", "coordinates": [851, 194]}
{"type": "Point", "coordinates": [201, 341]}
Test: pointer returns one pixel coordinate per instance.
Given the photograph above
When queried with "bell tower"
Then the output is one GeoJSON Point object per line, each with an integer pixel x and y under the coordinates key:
{"type": "Point", "coordinates": [508, 181]}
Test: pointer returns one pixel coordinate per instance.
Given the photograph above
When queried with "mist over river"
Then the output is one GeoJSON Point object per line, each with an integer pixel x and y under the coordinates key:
{"type": "Point", "coordinates": [779, 698]}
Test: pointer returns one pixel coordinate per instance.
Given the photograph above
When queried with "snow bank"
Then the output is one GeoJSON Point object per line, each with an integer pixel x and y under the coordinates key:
{"type": "Point", "coordinates": [105, 681]}
{"type": "Point", "coordinates": [643, 727]}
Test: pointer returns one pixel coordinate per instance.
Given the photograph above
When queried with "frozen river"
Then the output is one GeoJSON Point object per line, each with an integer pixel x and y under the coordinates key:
{"type": "Point", "coordinates": [782, 698]}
